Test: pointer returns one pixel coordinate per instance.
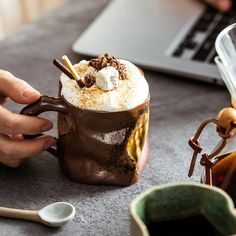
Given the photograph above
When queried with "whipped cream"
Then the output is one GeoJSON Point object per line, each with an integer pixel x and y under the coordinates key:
{"type": "Point", "coordinates": [108, 93]}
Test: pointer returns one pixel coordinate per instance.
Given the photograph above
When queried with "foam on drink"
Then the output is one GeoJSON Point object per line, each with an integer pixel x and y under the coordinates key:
{"type": "Point", "coordinates": [111, 85]}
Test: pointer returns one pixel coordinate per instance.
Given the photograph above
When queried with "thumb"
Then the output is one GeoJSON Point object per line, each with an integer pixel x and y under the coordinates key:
{"type": "Point", "coordinates": [17, 89]}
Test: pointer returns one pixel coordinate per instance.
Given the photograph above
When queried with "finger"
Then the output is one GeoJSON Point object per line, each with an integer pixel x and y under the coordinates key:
{"type": "Point", "coordinates": [11, 150]}
{"type": "Point", "coordinates": [18, 90]}
{"type": "Point", "coordinates": [222, 5]}
{"type": "Point", "coordinates": [12, 163]}
{"type": "Point", "coordinates": [11, 123]}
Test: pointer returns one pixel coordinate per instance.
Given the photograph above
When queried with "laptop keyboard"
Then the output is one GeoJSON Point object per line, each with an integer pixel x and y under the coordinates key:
{"type": "Point", "coordinates": [199, 43]}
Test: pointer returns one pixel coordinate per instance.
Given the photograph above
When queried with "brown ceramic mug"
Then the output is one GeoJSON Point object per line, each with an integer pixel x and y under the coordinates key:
{"type": "Point", "coordinates": [96, 147]}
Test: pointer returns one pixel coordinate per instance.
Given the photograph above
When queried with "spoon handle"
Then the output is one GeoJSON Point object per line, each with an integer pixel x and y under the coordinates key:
{"type": "Point", "coordinates": [19, 214]}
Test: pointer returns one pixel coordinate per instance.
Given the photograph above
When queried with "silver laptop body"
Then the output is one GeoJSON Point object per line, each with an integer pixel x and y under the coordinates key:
{"type": "Point", "coordinates": [148, 32]}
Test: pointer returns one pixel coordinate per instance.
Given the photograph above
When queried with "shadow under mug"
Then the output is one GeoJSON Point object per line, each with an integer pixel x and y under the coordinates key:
{"type": "Point", "coordinates": [97, 147]}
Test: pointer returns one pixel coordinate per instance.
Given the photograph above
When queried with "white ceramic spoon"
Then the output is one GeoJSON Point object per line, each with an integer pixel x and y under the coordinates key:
{"type": "Point", "coordinates": [54, 215]}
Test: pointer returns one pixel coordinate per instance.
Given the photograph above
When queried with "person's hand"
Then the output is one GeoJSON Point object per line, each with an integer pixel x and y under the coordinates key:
{"type": "Point", "coordinates": [221, 5]}
{"type": "Point", "coordinates": [13, 148]}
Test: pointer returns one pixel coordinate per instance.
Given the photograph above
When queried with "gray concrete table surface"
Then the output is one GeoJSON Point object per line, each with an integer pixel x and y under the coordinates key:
{"type": "Point", "coordinates": [177, 107]}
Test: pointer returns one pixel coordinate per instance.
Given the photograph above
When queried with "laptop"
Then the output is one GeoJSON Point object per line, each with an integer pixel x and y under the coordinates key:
{"type": "Point", "coordinates": [176, 37]}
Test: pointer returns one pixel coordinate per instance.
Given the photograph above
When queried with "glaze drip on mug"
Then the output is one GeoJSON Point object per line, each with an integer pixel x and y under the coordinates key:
{"type": "Point", "coordinates": [110, 85]}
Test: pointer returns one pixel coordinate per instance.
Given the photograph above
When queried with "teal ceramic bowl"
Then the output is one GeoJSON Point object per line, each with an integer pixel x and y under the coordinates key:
{"type": "Point", "coordinates": [183, 209]}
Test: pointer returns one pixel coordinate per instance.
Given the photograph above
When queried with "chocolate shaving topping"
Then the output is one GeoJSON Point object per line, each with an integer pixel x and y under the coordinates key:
{"type": "Point", "coordinates": [107, 60]}
{"type": "Point", "coordinates": [89, 80]}
{"type": "Point", "coordinates": [122, 72]}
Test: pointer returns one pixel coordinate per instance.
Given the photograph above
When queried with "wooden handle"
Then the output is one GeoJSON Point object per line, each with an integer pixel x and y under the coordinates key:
{"type": "Point", "coordinates": [20, 214]}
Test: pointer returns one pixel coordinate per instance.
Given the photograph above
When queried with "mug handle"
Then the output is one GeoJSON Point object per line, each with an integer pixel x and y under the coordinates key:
{"type": "Point", "coordinates": [43, 104]}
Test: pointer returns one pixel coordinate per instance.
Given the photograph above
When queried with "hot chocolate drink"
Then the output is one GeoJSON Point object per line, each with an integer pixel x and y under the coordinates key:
{"type": "Point", "coordinates": [103, 137]}
{"type": "Point", "coordinates": [103, 115]}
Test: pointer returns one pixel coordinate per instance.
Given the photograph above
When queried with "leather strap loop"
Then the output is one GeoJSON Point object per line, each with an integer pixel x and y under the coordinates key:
{"type": "Point", "coordinates": [195, 145]}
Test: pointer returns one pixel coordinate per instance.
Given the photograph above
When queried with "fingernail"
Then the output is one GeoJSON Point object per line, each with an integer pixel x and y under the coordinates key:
{"type": "Point", "coordinates": [47, 126]}
{"type": "Point", "coordinates": [30, 93]}
{"type": "Point", "coordinates": [49, 143]}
